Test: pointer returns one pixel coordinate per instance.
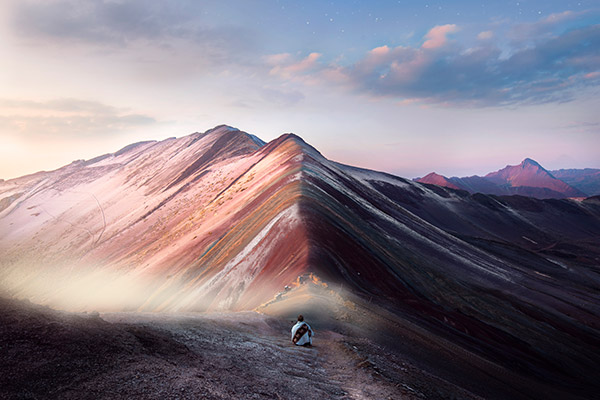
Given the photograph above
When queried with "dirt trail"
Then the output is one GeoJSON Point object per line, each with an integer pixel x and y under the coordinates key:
{"type": "Point", "coordinates": [48, 354]}
{"type": "Point", "coordinates": [248, 354]}
{"type": "Point", "coordinates": [360, 378]}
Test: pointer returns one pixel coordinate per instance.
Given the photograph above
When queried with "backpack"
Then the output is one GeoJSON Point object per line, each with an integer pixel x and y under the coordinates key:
{"type": "Point", "coordinates": [299, 333]}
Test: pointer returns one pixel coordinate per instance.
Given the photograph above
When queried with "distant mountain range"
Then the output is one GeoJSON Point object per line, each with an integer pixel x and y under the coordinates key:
{"type": "Point", "coordinates": [587, 180]}
{"type": "Point", "coordinates": [529, 179]}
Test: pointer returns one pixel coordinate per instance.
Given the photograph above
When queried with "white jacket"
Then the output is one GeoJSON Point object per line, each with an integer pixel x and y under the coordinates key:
{"type": "Point", "coordinates": [306, 338]}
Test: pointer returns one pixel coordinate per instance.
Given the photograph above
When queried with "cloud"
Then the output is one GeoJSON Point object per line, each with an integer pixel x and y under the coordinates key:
{"type": "Point", "coordinates": [543, 28]}
{"type": "Point", "coordinates": [437, 36]}
{"type": "Point", "coordinates": [582, 126]}
{"type": "Point", "coordinates": [278, 59]}
{"type": "Point", "coordinates": [59, 105]}
{"type": "Point", "coordinates": [285, 66]}
{"type": "Point", "coordinates": [551, 69]}
{"type": "Point", "coordinates": [173, 32]}
{"type": "Point", "coordinates": [592, 75]}
{"type": "Point", "coordinates": [105, 21]}
{"type": "Point", "coordinates": [485, 35]}
{"type": "Point", "coordinates": [66, 118]}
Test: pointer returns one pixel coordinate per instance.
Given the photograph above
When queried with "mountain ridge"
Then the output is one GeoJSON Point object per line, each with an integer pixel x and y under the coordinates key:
{"type": "Point", "coordinates": [528, 178]}
{"type": "Point", "coordinates": [587, 179]}
{"type": "Point", "coordinates": [216, 221]}
{"type": "Point", "coordinates": [434, 178]}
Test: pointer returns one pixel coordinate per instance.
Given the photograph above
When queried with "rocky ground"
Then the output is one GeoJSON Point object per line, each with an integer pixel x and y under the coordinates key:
{"type": "Point", "coordinates": [48, 354]}
{"type": "Point", "coordinates": [51, 354]}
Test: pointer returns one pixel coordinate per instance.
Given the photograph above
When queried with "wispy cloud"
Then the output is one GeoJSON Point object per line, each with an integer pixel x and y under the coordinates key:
{"type": "Point", "coordinates": [67, 118]}
{"type": "Point", "coordinates": [284, 65]}
{"type": "Point", "coordinates": [99, 21]}
{"type": "Point", "coordinates": [172, 32]}
{"type": "Point", "coordinates": [59, 105]}
{"type": "Point", "coordinates": [582, 126]}
{"type": "Point", "coordinates": [544, 28]}
{"type": "Point", "coordinates": [549, 69]}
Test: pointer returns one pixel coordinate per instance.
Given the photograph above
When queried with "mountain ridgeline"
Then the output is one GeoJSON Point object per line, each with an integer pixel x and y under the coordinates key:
{"type": "Point", "coordinates": [223, 221]}
{"type": "Point", "coordinates": [526, 179]}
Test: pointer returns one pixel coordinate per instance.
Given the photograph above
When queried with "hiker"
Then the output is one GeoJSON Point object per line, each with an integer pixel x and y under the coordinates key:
{"type": "Point", "coordinates": [301, 333]}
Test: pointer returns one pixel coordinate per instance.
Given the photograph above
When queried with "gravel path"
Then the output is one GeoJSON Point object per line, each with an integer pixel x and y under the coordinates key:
{"type": "Point", "coordinates": [48, 354]}
{"type": "Point", "coordinates": [249, 356]}
{"type": "Point", "coordinates": [51, 354]}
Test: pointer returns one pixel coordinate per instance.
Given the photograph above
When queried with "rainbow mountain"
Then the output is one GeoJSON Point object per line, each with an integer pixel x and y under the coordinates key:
{"type": "Point", "coordinates": [223, 221]}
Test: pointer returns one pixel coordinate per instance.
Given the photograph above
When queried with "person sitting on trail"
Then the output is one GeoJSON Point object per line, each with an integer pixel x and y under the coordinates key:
{"type": "Point", "coordinates": [301, 333]}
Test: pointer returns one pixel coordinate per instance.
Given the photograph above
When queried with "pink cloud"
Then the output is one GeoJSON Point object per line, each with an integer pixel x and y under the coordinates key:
{"type": "Point", "coordinates": [436, 37]}
{"type": "Point", "coordinates": [558, 17]}
{"type": "Point", "coordinates": [485, 35]}
{"type": "Point", "coordinates": [592, 75]}
{"type": "Point", "coordinates": [475, 76]}
{"type": "Point", "coordinates": [335, 74]}
{"type": "Point", "coordinates": [409, 101]}
{"type": "Point", "coordinates": [380, 51]}
{"type": "Point", "coordinates": [305, 64]}
{"type": "Point", "coordinates": [409, 69]}
{"type": "Point", "coordinates": [374, 58]}
{"type": "Point", "coordinates": [277, 59]}
{"type": "Point", "coordinates": [286, 69]}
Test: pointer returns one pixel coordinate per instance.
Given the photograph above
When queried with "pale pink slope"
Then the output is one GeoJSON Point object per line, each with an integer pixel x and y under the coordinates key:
{"type": "Point", "coordinates": [529, 173]}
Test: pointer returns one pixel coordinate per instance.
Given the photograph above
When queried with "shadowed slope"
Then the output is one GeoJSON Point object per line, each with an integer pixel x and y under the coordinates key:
{"type": "Point", "coordinates": [509, 303]}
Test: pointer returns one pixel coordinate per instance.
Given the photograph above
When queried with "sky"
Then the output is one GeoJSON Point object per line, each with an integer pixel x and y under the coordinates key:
{"type": "Point", "coordinates": [406, 87]}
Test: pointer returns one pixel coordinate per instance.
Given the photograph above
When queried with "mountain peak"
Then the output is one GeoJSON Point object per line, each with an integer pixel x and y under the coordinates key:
{"type": "Point", "coordinates": [434, 178]}
{"type": "Point", "coordinates": [529, 161]}
{"type": "Point", "coordinates": [433, 175]}
{"type": "Point", "coordinates": [222, 127]}
{"type": "Point", "coordinates": [289, 138]}
{"type": "Point", "coordinates": [528, 175]}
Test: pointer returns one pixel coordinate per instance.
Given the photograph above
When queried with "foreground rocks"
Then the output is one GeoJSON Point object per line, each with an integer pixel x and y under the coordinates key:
{"type": "Point", "coordinates": [47, 354]}
{"type": "Point", "coordinates": [50, 354]}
